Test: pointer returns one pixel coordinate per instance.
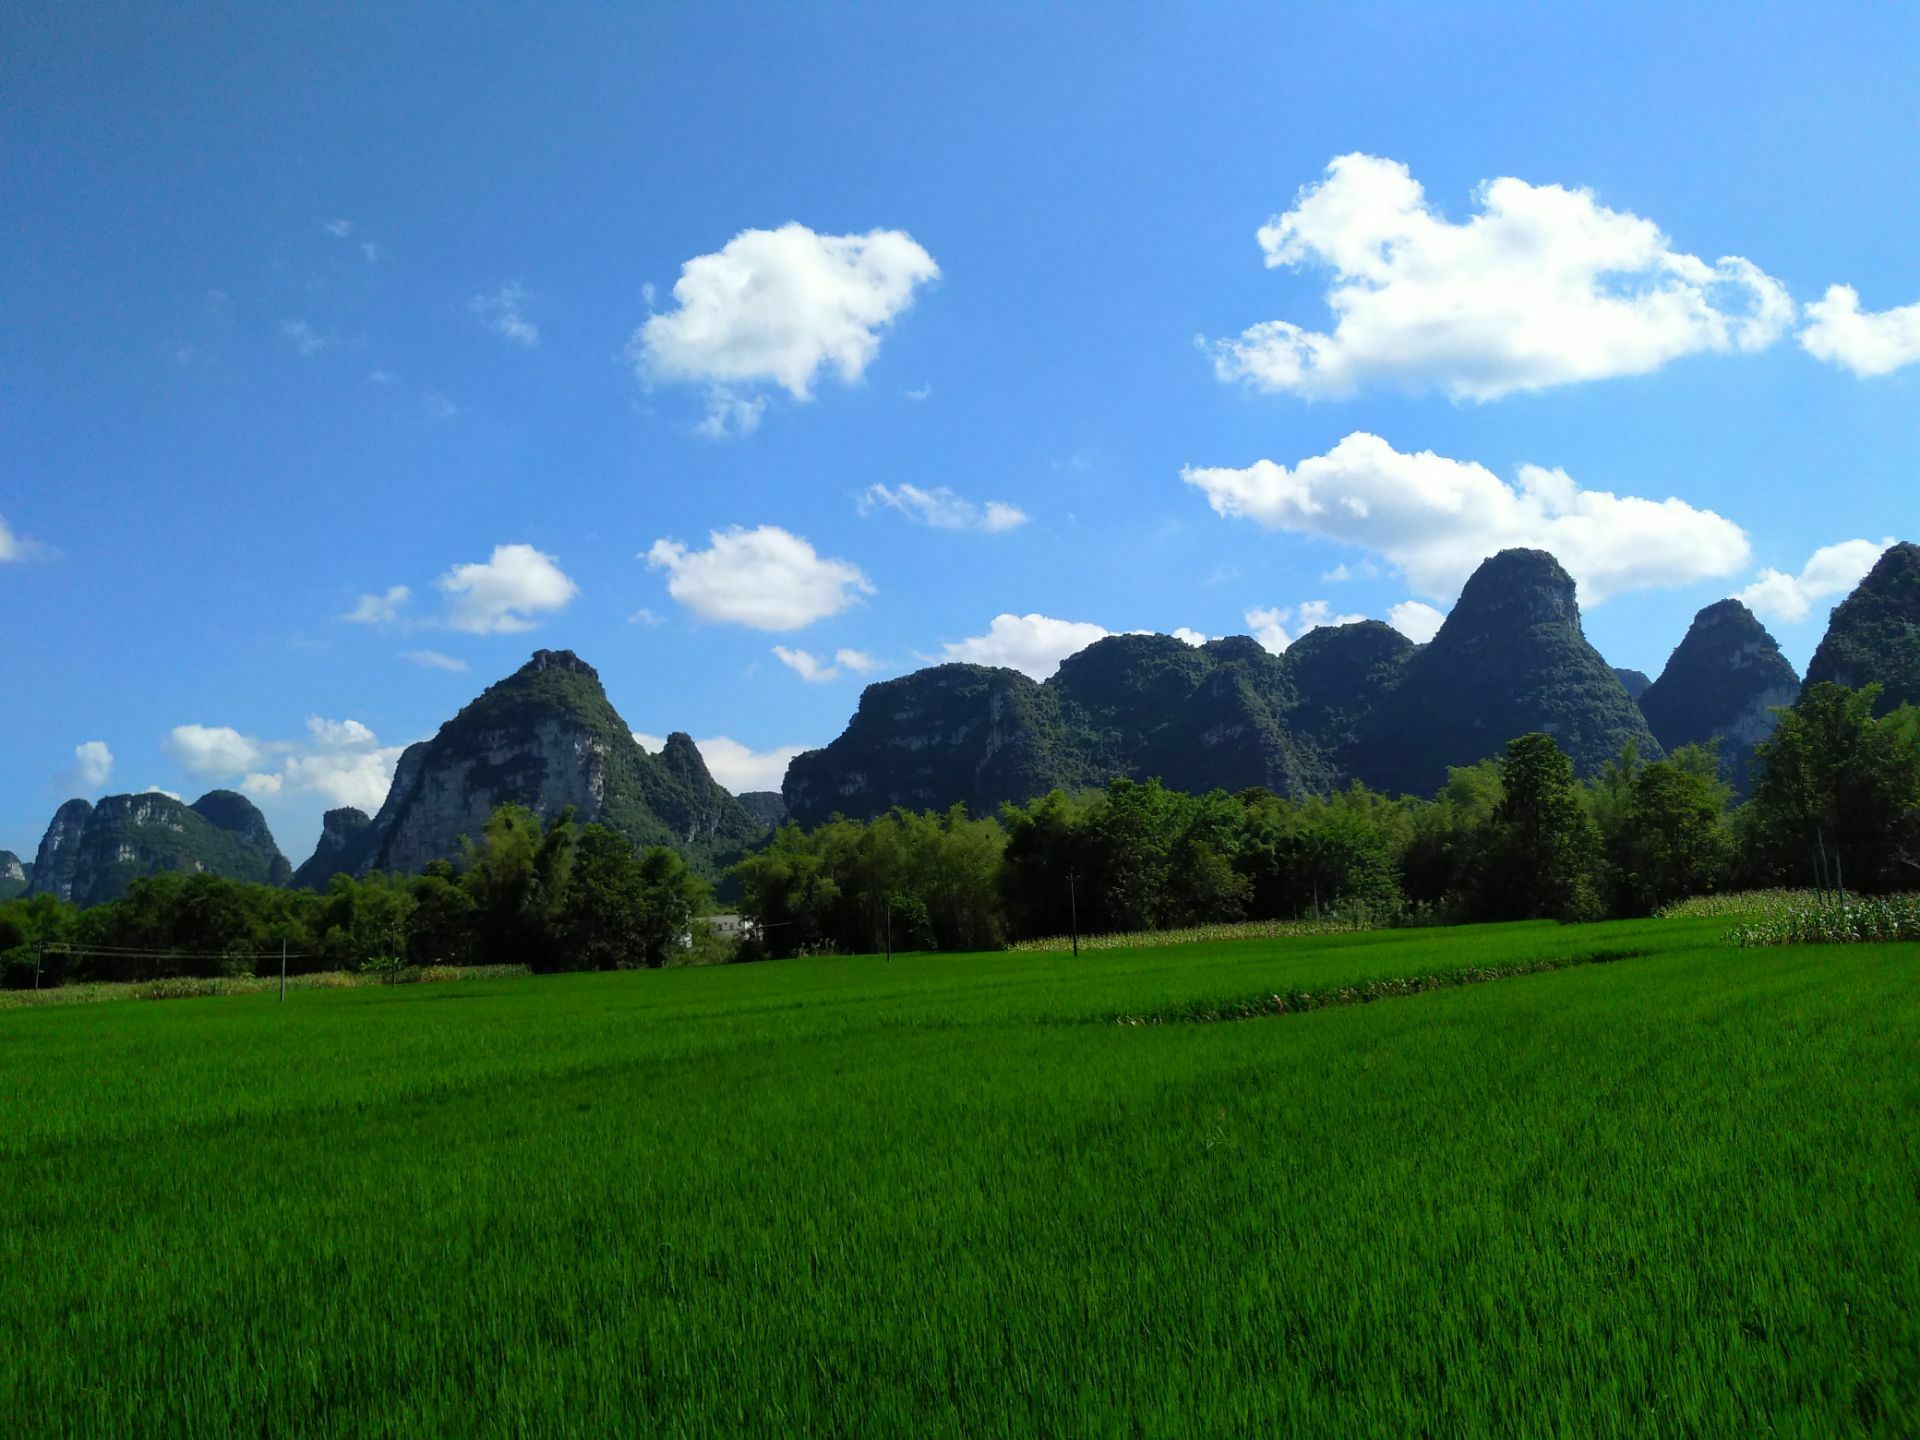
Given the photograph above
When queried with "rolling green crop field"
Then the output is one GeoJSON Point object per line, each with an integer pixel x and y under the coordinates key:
{"type": "Point", "coordinates": [1675, 1193]}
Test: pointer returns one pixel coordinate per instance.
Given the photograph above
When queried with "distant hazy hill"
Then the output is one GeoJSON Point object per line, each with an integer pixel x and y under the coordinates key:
{"type": "Point", "coordinates": [92, 853]}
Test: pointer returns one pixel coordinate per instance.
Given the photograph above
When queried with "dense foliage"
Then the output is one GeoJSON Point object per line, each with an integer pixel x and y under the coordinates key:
{"type": "Point", "coordinates": [1515, 838]}
{"type": "Point", "coordinates": [1836, 807]}
{"type": "Point", "coordinates": [558, 897]}
{"type": "Point", "coordinates": [1875, 632]}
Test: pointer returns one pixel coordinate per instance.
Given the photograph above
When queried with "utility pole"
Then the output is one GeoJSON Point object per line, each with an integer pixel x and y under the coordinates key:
{"type": "Point", "coordinates": [283, 970]}
{"type": "Point", "coordinates": [39, 956]}
{"type": "Point", "coordinates": [889, 929]}
{"type": "Point", "coordinates": [1073, 909]}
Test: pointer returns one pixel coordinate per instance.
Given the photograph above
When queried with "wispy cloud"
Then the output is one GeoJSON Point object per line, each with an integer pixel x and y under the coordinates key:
{"type": "Point", "coordinates": [502, 313]}
{"type": "Point", "coordinates": [305, 338]}
{"type": "Point", "coordinates": [434, 660]}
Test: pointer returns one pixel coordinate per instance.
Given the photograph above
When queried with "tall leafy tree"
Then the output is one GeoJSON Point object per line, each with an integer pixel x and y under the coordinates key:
{"type": "Point", "coordinates": [1539, 862]}
{"type": "Point", "coordinates": [1838, 800]}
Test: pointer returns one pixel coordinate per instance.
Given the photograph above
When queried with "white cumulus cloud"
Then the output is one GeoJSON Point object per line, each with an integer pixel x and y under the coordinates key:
{"type": "Point", "coordinates": [92, 763]}
{"type": "Point", "coordinates": [778, 307]}
{"type": "Point", "coordinates": [1438, 518]}
{"type": "Point", "coordinates": [380, 609]}
{"type": "Point", "coordinates": [941, 508]}
{"type": "Point", "coordinates": [739, 768]}
{"type": "Point", "coordinates": [1418, 621]}
{"type": "Point", "coordinates": [1032, 644]}
{"type": "Point", "coordinates": [342, 761]}
{"type": "Point", "coordinates": [1867, 342]}
{"type": "Point", "coordinates": [1189, 636]}
{"type": "Point", "coordinates": [213, 751]}
{"type": "Point", "coordinates": [504, 595]}
{"type": "Point", "coordinates": [766, 578]}
{"type": "Point", "coordinates": [1543, 286]}
{"type": "Point", "coordinates": [502, 313]}
{"type": "Point", "coordinates": [1831, 570]}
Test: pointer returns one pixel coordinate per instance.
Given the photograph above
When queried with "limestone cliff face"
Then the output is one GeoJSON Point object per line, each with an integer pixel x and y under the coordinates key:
{"type": "Point", "coordinates": [92, 853]}
{"type": "Point", "coordinates": [13, 875]}
{"type": "Point", "coordinates": [548, 738]}
{"type": "Point", "coordinates": [343, 848]}
{"type": "Point", "coordinates": [59, 854]}
{"type": "Point", "coordinates": [1723, 683]}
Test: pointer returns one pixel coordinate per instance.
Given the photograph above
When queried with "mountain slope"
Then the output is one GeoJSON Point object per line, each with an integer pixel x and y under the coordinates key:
{"type": "Point", "coordinates": [92, 853]}
{"type": "Point", "coordinates": [1874, 636]}
{"type": "Point", "coordinates": [1722, 682]}
{"type": "Point", "coordinates": [952, 734]}
{"type": "Point", "coordinates": [547, 737]}
{"type": "Point", "coordinates": [1510, 659]}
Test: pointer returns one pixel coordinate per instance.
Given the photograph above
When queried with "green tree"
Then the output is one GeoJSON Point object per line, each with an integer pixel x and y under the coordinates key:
{"type": "Point", "coordinates": [1668, 837]}
{"type": "Point", "coordinates": [441, 929]}
{"type": "Point", "coordinates": [603, 921]}
{"type": "Point", "coordinates": [672, 897]}
{"type": "Point", "coordinates": [1838, 799]}
{"type": "Point", "coordinates": [1541, 855]}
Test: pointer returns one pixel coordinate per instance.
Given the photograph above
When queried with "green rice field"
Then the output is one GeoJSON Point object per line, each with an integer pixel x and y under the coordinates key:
{"type": "Point", "coordinates": [1632, 1182]}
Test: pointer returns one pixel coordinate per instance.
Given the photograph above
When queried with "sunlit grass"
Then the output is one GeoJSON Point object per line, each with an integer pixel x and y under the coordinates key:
{"type": "Point", "coordinates": [1669, 1195]}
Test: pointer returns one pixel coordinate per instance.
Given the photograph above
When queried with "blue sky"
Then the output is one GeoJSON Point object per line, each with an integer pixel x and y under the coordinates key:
{"type": "Point", "coordinates": [306, 304]}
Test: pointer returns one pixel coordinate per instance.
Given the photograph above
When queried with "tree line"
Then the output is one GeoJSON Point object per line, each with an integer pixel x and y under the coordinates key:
{"type": "Point", "coordinates": [1836, 804]}
{"type": "Point", "coordinates": [553, 897]}
{"type": "Point", "coordinates": [1518, 837]}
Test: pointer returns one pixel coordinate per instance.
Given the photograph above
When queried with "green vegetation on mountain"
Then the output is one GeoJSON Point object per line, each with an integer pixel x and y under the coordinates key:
{"type": "Point", "coordinates": [92, 853]}
{"type": "Point", "coordinates": [1224, 715]}
{"type": "Point", "coordinates": [953, 734]}
{"type": "Point", "coordinates": [547, 738]}
{"type": "Point", "coordinates": [1635, 681]}
{"type": "Point", "coordinates": [1874, 636]}
{"type": "Point", "coordinates": [1510, 659]}
{"type": "Point", "coordinates": [767, 807]}
{"type": "Point", "coordinates": [1344, 703]}
{"type": "Point", "coordinates": [15, 877]}
{"type": "Point", "coordinates": [1722, 687]}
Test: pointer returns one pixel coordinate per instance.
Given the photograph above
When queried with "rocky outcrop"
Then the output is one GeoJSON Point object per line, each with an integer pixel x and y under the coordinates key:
{"type": "Point", "coordinates": [548, 738]}
{"type": "Point", "coordinates": [1723, 683]}
{"type": "Point", "coordinates": [1874, 635]}
{"type": "Point", "coordinates": [59, 854]}
{"type": "Point", "coordinates": [92, 853]}
{"type": "Point", "coordinates": [14, 876]}
{"type": "Point", "coordinates": [1510, 659]}
{"type": "Point", "coordinates": [347, 840]}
